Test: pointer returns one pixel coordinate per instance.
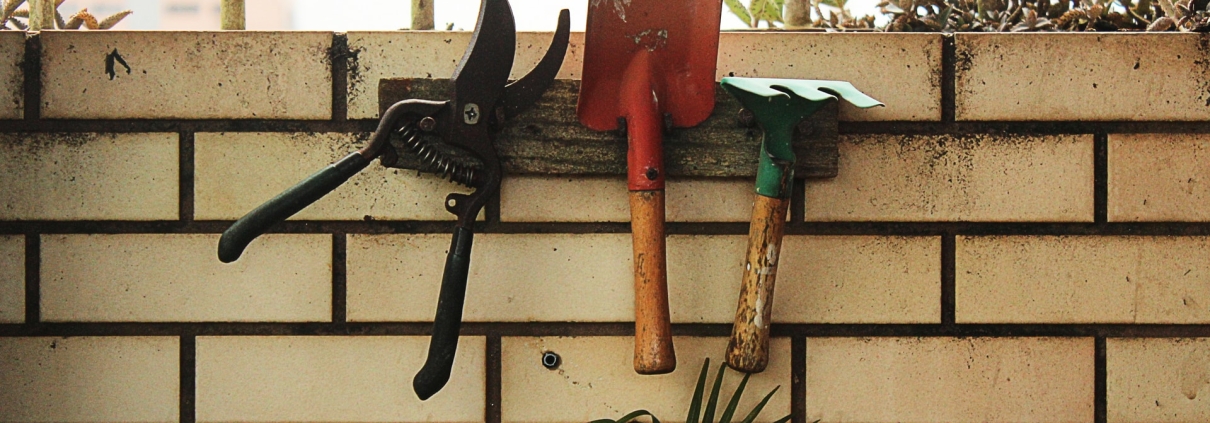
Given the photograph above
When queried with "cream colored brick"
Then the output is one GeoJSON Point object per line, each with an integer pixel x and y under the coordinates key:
{"type": "Point", "coordinates": [596, 380]}
{"type": "Point", "coordinates": [178, 278]}
{"type": "Point", "coordinates": [859, 279]}
{"type": "Point", "coordinates": [90, 379]}
{"type": "Point", "coordinates": [879, 64]}
{"type": "Point", "coordinates": [1159, 177]}
{"type": "Point", "coordinates": [401, 54]}
{"type": "Point", "coordinates": [1157, 380]}
{"type": "Point", "coordinates": [604, 199]}
{"type": "Point", "coordinates": [12, 279]}
{"type": "Point", "coordinates": [1088, 76]}
{"type": "Point", "coordinates": [187, 75]}
{"type": "Point", "coordinates": [332, 379]}
{"type": "Point", "coordinates": [1083, 279]}
{"type": "Point", "coordinates": [994, 178]}
{"type": "Point", "coordinates": [513, 277]}
{"type": "Point", "coordinates": [89, 176]}
{"type": "Point", "coordinates": [12, 53]}
{"type": "Point", "coordinates": [821, 279]}
{"type": "Point", "coordinates": [237, 171]}
{"type": "Point", "coordinates": [824, 279]}
{"type": "Point", "coordinates": [876, 380]}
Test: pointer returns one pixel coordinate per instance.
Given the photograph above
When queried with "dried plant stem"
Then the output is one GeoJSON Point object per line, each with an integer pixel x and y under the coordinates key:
{"type": "Point", "coordinates": [422, 14]}
{"type": "Point", "coordinates": [233, 15]}
{"type": "Point", "coordinates": [41, 14]}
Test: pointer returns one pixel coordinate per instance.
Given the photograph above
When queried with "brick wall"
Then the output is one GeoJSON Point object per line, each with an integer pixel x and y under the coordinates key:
{"type": "Point", "coordinates": [1020, 235]}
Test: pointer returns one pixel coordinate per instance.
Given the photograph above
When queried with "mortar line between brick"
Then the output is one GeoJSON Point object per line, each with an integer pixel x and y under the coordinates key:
{"type": "Point", "coordinates": [33, 278]}
{"type": "Point", "coordinates": [948, 277]}
{"type": "Point", "coordinates": [1100, 402]}
{"type": "Point", "coordinates": [185, 182]}
{"type": "Point", "coordinates": [798, 379]}
{"type": "Point", "coordinates": [339, 278]}
{"type": "Point", "coordinates": [1100, 178]}
{"type": "Point", "coordinates": [340, 76]}
{"type": "Point", "coordinates": [493, 372]}
{"type": "Point", "coordinates": [530, 329]}
{"type": "Point", "coordinates": [32, 69]}
{"type": "Point", "coordinates": [949, 63]}
{"type": "Point", "coordinates": [383, 227]}
{"type": "Point", "coordinates": [188, 373]}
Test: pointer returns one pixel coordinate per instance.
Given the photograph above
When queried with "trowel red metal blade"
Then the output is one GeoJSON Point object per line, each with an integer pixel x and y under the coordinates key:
{"type": "Point", "coordinates": [682, 37]}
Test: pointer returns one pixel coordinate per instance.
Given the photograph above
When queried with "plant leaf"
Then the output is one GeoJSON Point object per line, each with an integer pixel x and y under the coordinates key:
{"type": "Point", "coordinates": [695, 405]}
{"type": "Point", "coordinates": [114, 19]}
{"type": "Point", "coordinates": [787, 418]}
{"type": "Point", "coordinates": [739, 392]}
{"type": "Point", "coordinates": [713, 403]}
{"type": "Point", "coordinates": [756, 411]}
{"type": "Point", "coordinates": [629, 417]}
{"type": "Point", "coordinates": [739, 11]}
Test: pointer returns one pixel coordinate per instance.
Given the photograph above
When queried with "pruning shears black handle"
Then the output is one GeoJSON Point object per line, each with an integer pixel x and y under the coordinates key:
{"type": "Point", "coordinates": [448, 322]}
{"type": "Point", "coordinates": [236, 238]}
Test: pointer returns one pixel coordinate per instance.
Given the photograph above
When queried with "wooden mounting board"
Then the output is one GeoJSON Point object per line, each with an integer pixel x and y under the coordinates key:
{"type": "Point", "coordinates": [548, 139]}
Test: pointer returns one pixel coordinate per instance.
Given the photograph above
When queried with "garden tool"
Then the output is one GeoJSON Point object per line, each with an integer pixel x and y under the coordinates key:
{"type": "Point", "coordinates": [648, 64]}
{"type": "Point", "coordinates": [454, 138]}
{"type": "Point", "coordinates": [777, 106]}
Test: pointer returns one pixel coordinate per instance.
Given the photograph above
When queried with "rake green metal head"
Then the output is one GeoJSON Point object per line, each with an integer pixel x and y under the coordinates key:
{"type": "Point", "coordinates": [778, 105]}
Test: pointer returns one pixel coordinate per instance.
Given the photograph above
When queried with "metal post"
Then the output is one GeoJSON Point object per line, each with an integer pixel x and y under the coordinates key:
{"type": "Point", "coordinates": [422, 14]}
{"type": "Point", "coordinates": [232, 15]}
{"type": "Point", "coordinates": [797, 14]}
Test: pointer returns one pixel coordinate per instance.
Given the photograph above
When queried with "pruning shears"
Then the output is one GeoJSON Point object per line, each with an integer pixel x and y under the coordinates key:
{"type": "Point", "coordinates": [453, 138]}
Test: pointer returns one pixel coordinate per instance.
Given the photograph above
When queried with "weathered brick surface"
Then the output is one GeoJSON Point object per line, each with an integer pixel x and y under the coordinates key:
{"type": "Point", "coordinates": [879, 64]}
{"type": "Point", "coordinates": [12, 279]}
{"type": "Point", "coordinates": [532, 277]}
{"type": "Point", "coordinates": [1082, 279]}
{"type": "Point", "coordinates": [175, 278]}
{"type": "Point", "coordinates": [864, 59]}
{"type": "Point", "coordinates": [237, 171]}
{"type": "Point", "coordinates": [90, 379]}
{"type": "Point", "coordinates": [12, 53]}
{"type": "Point", "coordinates": [187, 75]}
{"type": "Point", "coordinates": [1159, 177]}
{"type": "Point", "coordinates": [596, 380]}
{"type": "Point", "coordinates": [89, 176]}
{"type": "Point", "coordinates": [397, 54]}
{"type": "Point", "coordinates": [1157, 380]}
{"type": "Point", "coordinates": [1083, 76]}
{"type": "Point", "coordinates": [332, 379]}
{"type": "Point", "coordinates": [950, 379]}
{"type": "Point", "coordinates": [996, 178]}
{"type": "Point", "coordinates": [604, 199]}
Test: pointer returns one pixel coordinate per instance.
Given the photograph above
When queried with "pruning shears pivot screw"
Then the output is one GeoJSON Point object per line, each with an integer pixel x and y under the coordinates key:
{"type": "Point", "coordinates": [465, 153]}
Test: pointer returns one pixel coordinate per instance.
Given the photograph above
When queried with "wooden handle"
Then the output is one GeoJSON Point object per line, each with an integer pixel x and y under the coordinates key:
{"type": "Point", "coordinates": [748, 350]}
{"type": "Point", "coordinates": [653, 352]}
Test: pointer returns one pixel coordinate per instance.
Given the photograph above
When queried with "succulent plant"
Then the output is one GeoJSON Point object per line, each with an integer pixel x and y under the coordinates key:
{"type": "Point", "coordinates": [1045, 15]}
{"type": "Point", "coordinates": [696, 414]}
{"type": "Point", "coordinates": [10, 14]}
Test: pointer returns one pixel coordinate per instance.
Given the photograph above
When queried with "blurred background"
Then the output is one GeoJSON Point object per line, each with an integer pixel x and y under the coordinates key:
{"type": "Point", "coordinates": [352, 15]}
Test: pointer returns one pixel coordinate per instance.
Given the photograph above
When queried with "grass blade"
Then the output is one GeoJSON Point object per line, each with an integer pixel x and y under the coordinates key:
{"type": "Point", "coordinates": [713, 403]}
{"type": "Point", "coordinates": [627, 418]}
{"type": "Point", "coordinates": [785, 419]}
{"type": "Point", "coordinates": [739, 392]}
{"type": "Point", "coordinates": [756, 411]}
{"type": "Point", "coordinates": [695, 406]}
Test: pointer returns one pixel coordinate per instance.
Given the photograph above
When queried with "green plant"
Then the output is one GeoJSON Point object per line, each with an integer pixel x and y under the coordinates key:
{"type": "Point", "coordinates": [695, 405]}
{"type": "Point", "coordinates": [1046, 15]}
{"type": "Point", "coordinates": [10, 13]}
{"type": "Point", "coordinates": [757, 11]}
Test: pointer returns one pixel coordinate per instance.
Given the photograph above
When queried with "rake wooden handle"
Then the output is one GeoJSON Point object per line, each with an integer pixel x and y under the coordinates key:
{"type": "Point", "coordinates": [748, 350]}
{"type": "Point", "coordinates": [653, 353]}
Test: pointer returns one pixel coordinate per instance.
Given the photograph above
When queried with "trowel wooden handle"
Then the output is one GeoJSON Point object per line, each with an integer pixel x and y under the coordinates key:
{"type": "Point", "coordinates": [748, 350]}
{"type": "Point", "coordinates": [653, 352]}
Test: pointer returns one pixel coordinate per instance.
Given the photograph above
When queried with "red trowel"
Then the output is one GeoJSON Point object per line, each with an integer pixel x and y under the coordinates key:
{"type": "Point", "coordinates": [649, 64]}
